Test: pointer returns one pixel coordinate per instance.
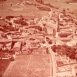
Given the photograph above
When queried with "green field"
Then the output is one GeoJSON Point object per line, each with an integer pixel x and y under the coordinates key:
{"type": "Point", "coordinates": [31, 11]}
{"type": "Point", "coordinates": [29, 66]}
{"type": "Point", "coordinates": [3, 66]}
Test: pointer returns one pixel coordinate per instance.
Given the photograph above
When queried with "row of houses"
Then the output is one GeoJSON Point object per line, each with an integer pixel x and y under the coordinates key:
{"type": "Point", "coordinates": [59, 25]}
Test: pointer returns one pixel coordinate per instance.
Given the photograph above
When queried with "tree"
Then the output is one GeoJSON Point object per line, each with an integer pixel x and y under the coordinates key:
{"type": "Point", "coordinates": [2, 0]}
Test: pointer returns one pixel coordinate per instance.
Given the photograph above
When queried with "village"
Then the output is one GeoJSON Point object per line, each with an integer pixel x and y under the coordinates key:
{"type": "Point", "coordinates": [54, 35]}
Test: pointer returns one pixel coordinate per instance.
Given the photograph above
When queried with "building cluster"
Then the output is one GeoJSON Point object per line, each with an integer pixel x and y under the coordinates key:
{"type": "Point", "coordinates": [66, 62]}
{"type": "Point", "coordinates": [30, 35]}
{"type": "Point", "coordinates": [66, 67]}
{"type": "Point", "coordinates": [57, 28]}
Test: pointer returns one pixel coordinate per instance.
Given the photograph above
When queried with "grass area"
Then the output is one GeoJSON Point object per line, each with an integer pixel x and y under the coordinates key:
{"type": "Point", "coordinates": [29, 66]}
{"type": "Point", "coordinates": [31, 11]}
{"type": "Point", "coordinates": [3, 65]}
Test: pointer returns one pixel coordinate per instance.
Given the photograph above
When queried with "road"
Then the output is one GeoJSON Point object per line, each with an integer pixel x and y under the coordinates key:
{"type": "Point", "coordinates": [30, 66]}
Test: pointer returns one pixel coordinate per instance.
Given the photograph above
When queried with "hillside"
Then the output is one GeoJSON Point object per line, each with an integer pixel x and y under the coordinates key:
{"type": "Point", "coordinates": [33, 8]}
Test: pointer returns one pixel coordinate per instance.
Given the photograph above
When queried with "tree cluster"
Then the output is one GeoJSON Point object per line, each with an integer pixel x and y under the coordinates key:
{"type": "Point", "coordinates": [69, 51]}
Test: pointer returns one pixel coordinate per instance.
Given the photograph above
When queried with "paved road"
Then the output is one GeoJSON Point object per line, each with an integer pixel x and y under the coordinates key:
{"type": "Point", "coordinates": [29, 66]}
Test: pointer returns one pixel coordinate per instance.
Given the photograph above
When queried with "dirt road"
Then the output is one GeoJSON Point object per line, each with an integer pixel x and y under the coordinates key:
{"type": "Point", "coordinates": [29, 66]}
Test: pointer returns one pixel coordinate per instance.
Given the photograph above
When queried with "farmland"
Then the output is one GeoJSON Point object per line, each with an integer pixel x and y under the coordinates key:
{"type": "Point", "coordinates": [29, 66]}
